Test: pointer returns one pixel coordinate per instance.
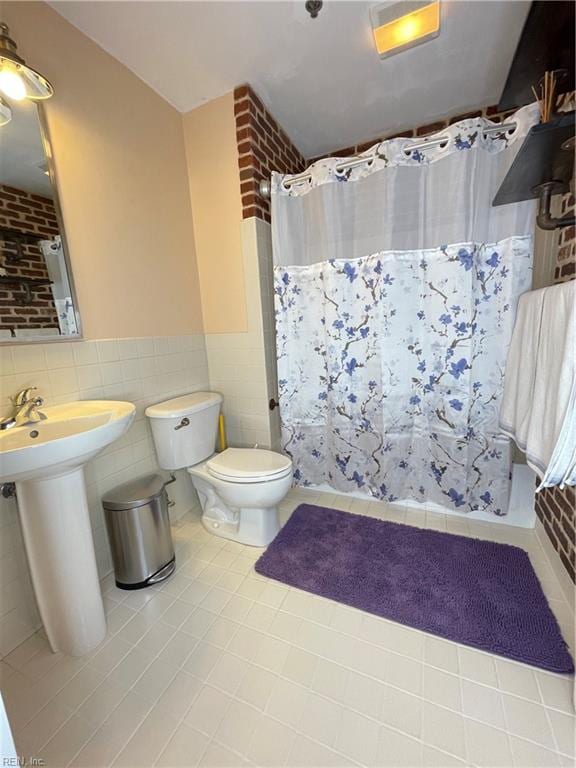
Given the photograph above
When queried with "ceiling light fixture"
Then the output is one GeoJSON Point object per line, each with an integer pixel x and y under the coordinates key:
{"type": "Point", "coordinates": [5, 113]}
{"type": "Point", "coordinates": [17, 80]}
{"type": "Point", "coordinates": [398, 26]}
{"type": "Point", "coordinates": [313, 7]}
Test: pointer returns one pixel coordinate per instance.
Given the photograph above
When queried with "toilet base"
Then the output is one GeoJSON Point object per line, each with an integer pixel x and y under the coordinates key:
{"type": "Point", "coordinates": [254, 527]}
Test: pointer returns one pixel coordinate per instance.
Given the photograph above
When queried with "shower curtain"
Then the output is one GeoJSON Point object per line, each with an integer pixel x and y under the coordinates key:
{"type": "Point", "coordinates": [396, 284]}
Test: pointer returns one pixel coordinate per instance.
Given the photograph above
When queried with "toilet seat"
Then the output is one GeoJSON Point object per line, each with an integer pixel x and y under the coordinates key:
{"type": "Point", "coordinates": [249, 465]}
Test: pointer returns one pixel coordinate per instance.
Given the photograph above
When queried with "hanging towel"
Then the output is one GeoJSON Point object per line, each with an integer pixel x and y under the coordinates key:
{"type": "Point", "coordinates": [562, 468]}
{"type": "Point", "coordinates": [538, 407]}
{"type": "Point", "coordinates": [520, 374]}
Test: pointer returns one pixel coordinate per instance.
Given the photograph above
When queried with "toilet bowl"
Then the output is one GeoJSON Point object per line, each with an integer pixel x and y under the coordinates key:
{"type": "Point", "coordinates": [240, 488]}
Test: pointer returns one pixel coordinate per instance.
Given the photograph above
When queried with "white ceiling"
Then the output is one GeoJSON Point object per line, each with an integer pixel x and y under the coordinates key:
{"type": "Point", "coordinates": [322, 78]}
{"type": "Point", "coordinates": [22, 158]}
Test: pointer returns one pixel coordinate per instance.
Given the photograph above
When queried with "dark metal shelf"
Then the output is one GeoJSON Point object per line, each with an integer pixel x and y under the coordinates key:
{"type": "Point", "coordinates": [27, 283]}
{"type": "Point", "coordinates": [546, 44]}
{"type": "Point", "coordinates": [31, 281]}
{"type": "Point", "coordinates": [11, 235]}
{"type": "Point", "coordinates": [540, 159]}
{"type": "Point", "coordinates": [18, 239]}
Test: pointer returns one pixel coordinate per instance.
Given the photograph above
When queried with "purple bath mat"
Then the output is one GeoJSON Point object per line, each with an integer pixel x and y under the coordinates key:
{"type": "Point", "coordinates": [474, 592]}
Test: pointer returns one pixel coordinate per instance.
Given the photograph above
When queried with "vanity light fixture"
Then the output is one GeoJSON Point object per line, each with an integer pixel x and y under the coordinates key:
{"type": "Point", "coordinates": [5, 113]}
{"type": "Point", "coordinates": [398, 26]}
{"type": "Point", "coordinates": [17, 80]}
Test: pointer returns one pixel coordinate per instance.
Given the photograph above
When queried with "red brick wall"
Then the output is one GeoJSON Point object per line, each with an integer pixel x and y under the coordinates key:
{"type": "Point", "coordinates": [263, 147]}
{"type": "Point", "coordinates": [566, 259]}
{"type": "Point", "coordinates": [555, 509]}
{"type": "Point", "coordinates": [29, 214]}
{"type": "Point", "coordinates": [422, 130]}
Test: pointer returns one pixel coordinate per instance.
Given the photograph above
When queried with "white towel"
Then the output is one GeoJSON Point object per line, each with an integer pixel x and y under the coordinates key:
{"type": "Point", "coordinates": [562, 468]}
{"type": "Point", "coordinates": [521, 368]}
{"type": "Point", "coordinates": [538, 407]}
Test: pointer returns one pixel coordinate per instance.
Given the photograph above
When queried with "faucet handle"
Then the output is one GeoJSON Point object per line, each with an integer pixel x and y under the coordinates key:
{"type": "Point", "coordinates": [23, 396]}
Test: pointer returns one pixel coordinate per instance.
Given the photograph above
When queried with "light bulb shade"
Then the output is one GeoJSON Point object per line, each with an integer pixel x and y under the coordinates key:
{"type": "Point", "coordinates": [5, 113]}
{"type": "Point", "coordinates": [17, 80]}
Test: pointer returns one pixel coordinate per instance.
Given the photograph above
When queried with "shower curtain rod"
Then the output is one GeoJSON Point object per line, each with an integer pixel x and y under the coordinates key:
{"type": "Point", "coordinates": [265, 187]}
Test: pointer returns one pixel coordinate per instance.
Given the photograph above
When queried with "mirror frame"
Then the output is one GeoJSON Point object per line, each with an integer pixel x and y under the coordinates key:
{"type": "Point", "coordinates": [49, 155]}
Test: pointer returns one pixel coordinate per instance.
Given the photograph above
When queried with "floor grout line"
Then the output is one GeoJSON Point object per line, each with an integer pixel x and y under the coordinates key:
{"type": "Point", "coordinates": [244, 572]}
{"type": "Point", "coordinates": [326, 658]}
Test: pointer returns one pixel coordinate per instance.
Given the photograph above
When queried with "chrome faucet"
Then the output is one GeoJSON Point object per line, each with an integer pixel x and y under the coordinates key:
{"type": "Point", "coordinates": [25, 410]}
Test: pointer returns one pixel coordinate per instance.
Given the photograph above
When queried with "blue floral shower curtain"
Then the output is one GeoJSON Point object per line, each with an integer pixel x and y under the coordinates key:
{"type": "Point", "coordinates": [391, 363]}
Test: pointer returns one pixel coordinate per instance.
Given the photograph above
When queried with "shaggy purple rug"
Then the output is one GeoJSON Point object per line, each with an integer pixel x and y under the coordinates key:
{"type": "Point", "coordinates": [474, 592]}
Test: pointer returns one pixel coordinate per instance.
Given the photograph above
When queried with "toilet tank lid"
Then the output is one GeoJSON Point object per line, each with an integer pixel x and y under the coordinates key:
{"type": "Point", "coordinates": [183, 406]}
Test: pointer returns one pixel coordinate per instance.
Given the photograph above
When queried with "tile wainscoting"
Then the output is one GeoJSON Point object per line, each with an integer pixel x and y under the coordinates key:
{"type": "Point", "coordinates": [143, 371]}
{"type": "Point", "coordinates": [242, 366]}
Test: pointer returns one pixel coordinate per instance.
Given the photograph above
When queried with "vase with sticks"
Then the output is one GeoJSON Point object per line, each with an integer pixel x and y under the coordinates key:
{"type": "Point", "coordinates": [546, 93]}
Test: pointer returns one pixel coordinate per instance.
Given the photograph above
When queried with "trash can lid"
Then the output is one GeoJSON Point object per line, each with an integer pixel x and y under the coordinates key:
{"type": "Point", "coordinates": [134, 493]}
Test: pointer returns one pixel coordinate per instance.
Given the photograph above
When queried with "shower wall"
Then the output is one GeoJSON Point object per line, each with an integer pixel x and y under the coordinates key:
{"type": "Point", "coordinates": [263, 146]}
{"type": "Point", "coordinates": [232, 143]}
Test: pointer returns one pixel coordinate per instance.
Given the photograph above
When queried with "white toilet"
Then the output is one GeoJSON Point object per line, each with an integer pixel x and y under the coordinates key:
{"type": "Point", "coordinates": [240, 488]}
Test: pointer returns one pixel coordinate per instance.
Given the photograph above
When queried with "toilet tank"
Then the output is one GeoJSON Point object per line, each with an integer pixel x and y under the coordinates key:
{"type": "Point", "coordinates": [185, 429]}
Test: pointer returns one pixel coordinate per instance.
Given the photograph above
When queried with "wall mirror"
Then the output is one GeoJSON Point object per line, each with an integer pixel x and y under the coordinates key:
{"type": "Point", "coordinates": [37, 298]}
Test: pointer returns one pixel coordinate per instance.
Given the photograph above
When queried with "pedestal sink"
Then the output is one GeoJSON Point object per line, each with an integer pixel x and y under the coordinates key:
{"type": "Point", "coordinates": [46, 460]}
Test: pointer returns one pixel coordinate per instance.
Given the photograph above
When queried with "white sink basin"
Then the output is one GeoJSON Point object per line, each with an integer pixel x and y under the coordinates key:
{"type": "Point", "coordinates": [46, 460]}
{"type": "Point", "coordinates": [71, 435]}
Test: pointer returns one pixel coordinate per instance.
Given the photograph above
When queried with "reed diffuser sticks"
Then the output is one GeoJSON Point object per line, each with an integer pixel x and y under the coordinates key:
{"type": "Point", "coordinates": [546, 98]}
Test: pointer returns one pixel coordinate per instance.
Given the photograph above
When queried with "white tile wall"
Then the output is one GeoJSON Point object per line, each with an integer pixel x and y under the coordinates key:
{"type": "Point", "coordinates": [265, 264]}
{"type": "Point", "coordinates": [242, 366]}
{"type": "Point", "coordinates": [143, 371]}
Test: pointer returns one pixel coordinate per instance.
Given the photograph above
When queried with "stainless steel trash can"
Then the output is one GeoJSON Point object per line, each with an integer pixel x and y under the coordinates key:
{"type": "Point", "coordinates": [139, 532]}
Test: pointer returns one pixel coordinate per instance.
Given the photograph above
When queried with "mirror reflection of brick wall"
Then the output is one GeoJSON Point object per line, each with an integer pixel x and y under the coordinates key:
{"type": "Point", "coordinates": [34, 218]}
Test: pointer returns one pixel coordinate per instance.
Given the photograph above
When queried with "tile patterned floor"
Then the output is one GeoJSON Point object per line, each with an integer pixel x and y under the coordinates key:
{"type": "Point", "coordinates": [221, 667]}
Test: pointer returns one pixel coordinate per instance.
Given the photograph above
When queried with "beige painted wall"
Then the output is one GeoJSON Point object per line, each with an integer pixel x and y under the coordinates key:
{"type": "Point", "coordinates": [212, 154]}
{"type": "Point", "coordinates": [120, 160]}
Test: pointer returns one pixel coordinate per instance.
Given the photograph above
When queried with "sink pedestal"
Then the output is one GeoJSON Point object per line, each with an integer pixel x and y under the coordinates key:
{"type": "Point", "coordinates": [58, 538]}
{"type": "Point", "coordinates": [46, 464]}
